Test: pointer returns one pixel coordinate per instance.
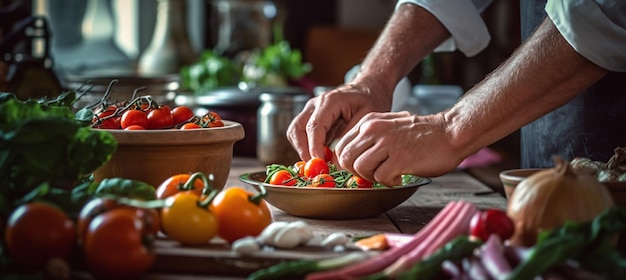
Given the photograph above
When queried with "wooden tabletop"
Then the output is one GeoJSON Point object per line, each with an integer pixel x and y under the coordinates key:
{"type": "Point", "coordinates": [216, 261]}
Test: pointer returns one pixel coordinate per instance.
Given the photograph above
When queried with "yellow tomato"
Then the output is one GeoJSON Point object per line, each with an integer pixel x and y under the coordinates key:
{"type": "Point", "coordinates": [187, 221]}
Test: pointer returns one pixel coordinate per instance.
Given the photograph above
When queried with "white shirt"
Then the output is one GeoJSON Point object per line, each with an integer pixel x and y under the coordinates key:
{"type": "Point", "coordinates": [463, 21]}
{"type": "Point", "coordinates": [595, 29]}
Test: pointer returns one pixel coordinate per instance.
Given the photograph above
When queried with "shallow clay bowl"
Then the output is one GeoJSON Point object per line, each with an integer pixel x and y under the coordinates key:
{"type": "Point", "coordinates": [152, 156]}
{"type": "Point", "coordinates": [332, 203]}
{"type": "Point", "coordinates": [510, 179]}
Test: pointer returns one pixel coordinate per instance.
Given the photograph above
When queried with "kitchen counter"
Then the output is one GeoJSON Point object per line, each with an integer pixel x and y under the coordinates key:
{"type": "Point", "coordinates": [216, 261]}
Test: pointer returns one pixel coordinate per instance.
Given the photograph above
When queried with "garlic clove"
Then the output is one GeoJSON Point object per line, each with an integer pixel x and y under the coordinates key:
{"type": "Point", "coordinates": [334, 239]}
{"type": "Point", "coordinates": [246, 245]}
{"type": "Point", "coordinates": [268, 233]}
{"type": "Point", "coordinates": [287, 237]}
{"type": "Point", "coordinates": [304, 229]}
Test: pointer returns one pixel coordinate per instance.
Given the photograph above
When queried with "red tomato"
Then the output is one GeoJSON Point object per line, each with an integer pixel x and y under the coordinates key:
{"type": "Point", "coordinates": [190, 126]}
{"type": "Point", "coordinates": [240, 213]}
{"type": "Point", "coordinates": [299, 166]}
{"type": "Point", "coordinates": [328, 154]}
{"type": "Point", "coordinates": [118, 244]}
{"type": "Point", "coordinates": [177, 183]}
{"type": "Point", "coordinates": [282, 177]}
{"type": "Point", "coordinates": [212, 119]}
{"type": "Point", "coordinates": [181, 114]}
{"type": "Point", "coordinates": [160, 118]}
{"type": "Point", "coordinates": [38, 232]}
{"type": "Point", "coordinates": [105, 121]}
{"type": "Point", "coordinates": [358, 182]}
{"type": "Point", "coordinates": [323, 181]}
{"type": "Point", "coordinates": [315, 166]}
{"type": "Point", "coordinates": [491, 221]}
{"type": "Point", "coordinates": [135, 127]}
{"type": "Point", "coordinates": [101, 205]}
{"type": "Point", "coordinates": [134, 117]}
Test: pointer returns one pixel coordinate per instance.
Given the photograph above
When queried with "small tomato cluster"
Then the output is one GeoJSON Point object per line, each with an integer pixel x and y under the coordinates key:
{"type": "Point", "coordinates": [115, 235]}
{"type": "Point", "coordinates": [316, 172]}
{"type": "Point", "coordinates": [143, 113]}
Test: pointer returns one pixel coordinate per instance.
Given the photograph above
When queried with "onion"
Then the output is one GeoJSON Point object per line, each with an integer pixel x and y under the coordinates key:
{"type": "Point", "coordinates": [548, 198]}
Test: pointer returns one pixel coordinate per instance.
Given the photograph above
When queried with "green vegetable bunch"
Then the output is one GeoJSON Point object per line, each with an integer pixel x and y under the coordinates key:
{"type": "Point", "coordinates": [273, 65]}
{"type": "Point", "coordinates": [45, 146]}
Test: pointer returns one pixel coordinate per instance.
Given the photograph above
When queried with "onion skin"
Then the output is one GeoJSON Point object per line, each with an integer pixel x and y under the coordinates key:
{"type": "Point", "coordinates": [548, 198]}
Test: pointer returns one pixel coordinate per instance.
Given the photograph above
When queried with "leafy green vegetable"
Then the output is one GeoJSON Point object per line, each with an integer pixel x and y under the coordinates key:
{"type": "Point", "coordinates": [42, 142]}
{"type": "Point", "coordinates": [588, 243]}
{"type": "Point", "coordinates": [273, 65]}
{"type": "Point", "coordinates": [125, 188]}
{"type": "Point", "coordinates": [299, 268]}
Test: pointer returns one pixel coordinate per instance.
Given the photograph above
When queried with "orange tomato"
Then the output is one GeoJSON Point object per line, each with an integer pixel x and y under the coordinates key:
{"type": "Point", "coordinates": [240, 213]}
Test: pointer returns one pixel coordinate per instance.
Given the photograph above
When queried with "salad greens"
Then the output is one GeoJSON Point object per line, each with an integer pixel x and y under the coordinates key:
{"type": "Point", "coordinates": [46, 149]}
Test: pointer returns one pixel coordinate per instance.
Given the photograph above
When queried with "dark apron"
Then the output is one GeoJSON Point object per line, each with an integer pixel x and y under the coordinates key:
{"type": "Point", "coordinates": [591, 125]}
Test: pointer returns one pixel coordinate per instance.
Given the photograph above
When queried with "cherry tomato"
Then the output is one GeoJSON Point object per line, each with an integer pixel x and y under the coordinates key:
{"type": "Point", "coordinates": [491, 221]}
{"type": "Point", "coordinates": [328, 154]}
{"type": "Point", "coordinates": [323, 181]}
{"type": "Point", "coordinates": [135, 127]}
{"type": "Point", "coordinates": [212, 119]}
{"type": "Point", "coordinates": [134, 117]}
{"type": "Point", "coordinates": [282, 177]}
{"type": "Point", "coordinates": [187, 221]}
{"type": "Point", "coordinates": [314, 167]}
{"type": "Point", "coordinates": [119, 244]}
{"type": "Point", "coordinates": [160, 118]}
{"type": "Point", "coordinates": [299, 166]}
{"type": "Point", "coordinates": [240, 213]}
{"type": "Point", "coordinates": [180, 182]}
{"type": "Point", "coordinates": [101, 205]}
{"type": "Point", "coordinates": [37, 232]}
{"type": "Point", "coordinates": [190, 126]}
{"type": "Point", "coordinates": [358, 182]}
{"type": "Point", "coordinates": [181, 114]}
{"type": "Point", "coordinates": [105, 121]}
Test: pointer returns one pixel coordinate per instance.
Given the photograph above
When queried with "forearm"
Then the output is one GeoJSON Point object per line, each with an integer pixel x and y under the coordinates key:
{"type": "Point", "coordinates": [543, 74]}
{"type": "Point", "coordinates": [411, 34]}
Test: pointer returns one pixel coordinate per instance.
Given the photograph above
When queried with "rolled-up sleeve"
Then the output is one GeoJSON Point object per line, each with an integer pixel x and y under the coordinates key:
{"type": "Point", "coordinates": [463, 21]}
{"type": "Point", "coordinates": [595, 29]}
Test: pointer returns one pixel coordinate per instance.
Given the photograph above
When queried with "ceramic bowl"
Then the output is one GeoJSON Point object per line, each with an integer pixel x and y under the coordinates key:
{"type": "Point", "coordinates": [152, 156]}
{"type": "Point", "coordinates": [332, 203]}
{"type": "Point", "coordinates": [511, 178]}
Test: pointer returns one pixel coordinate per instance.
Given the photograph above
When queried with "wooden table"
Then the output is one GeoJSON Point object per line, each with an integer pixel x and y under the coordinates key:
{"type": "Point", "coordinates": [216, 261]}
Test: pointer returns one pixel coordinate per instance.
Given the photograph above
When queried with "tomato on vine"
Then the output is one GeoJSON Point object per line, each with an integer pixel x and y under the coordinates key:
{"type": "Point", "coordinates": [107, 119]}
{"type": "Point", "coordinates": [188, 220]}
{"type": "Point", "coordinates": [134, 117]}
{"type": "Point", "coordinates": [328, 154]}
{"type": "Point", "coordinates": [190, 125]}
{"type": "Point", "coordinates": [181, 114]}
{"type": "Point", "coordinates": [160, 118]}
{"type": "Point", "coordinates": [195, 183]}
{"type": "Point", "coordinates": [119, 244]}
{"type": "Point", "coordinates": [240, 213]}
{"type": "Point", "coordinates": [37, 232]}
{"type": "Point", "coordinates": [299, 167]}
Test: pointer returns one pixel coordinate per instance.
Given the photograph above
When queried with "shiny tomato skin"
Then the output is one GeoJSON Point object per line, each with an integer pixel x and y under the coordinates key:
{"type": "Point", "coordinates": [358, 182]}
{"type": "Point", "coordinates": [328, 154]}
{"type": "Point", "coordinates": [135, 127]}
{"type": "Point", "coordinates": [160, 118]}
{"type": "Point", "coordinates": [190, 126]}
{"type": "Point", "coordinates": [282, 177]}
{"type": "Point", "coordinates": [323, 181]}
{"type": "Point", "coordinates": [118, 245]}
{"type": "Point", "coordinates": [314, 167]}
{"type": "Point", "coordinates": [174, 184]}
{"type": "Point", "coordinates": [104, 122]}
{"type": "Point", "coordinates": [299, 167]}
{"type": "Point", "coordinates": [238, 216]}
{"type": "Point", "coordinates": [181, 114]}
{"type": "Point", "coordinates": [491, 221]}
{"type": "Point", "coordinates": [187, 222]}
{"type": "Point", "coordinates": [37, 232]}
{"type": "Point", "coordinates": [134, 117]}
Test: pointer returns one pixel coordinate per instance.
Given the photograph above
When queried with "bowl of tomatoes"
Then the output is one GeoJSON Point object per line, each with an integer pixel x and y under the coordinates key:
{"type": "Point", "coordinates": [317, 189]}
{"type": "Point", "coordinates": [156, 141]}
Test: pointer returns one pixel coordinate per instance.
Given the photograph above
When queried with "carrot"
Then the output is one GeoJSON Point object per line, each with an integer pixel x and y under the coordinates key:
{"type": "Point", "coordinates": [381, 261]}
